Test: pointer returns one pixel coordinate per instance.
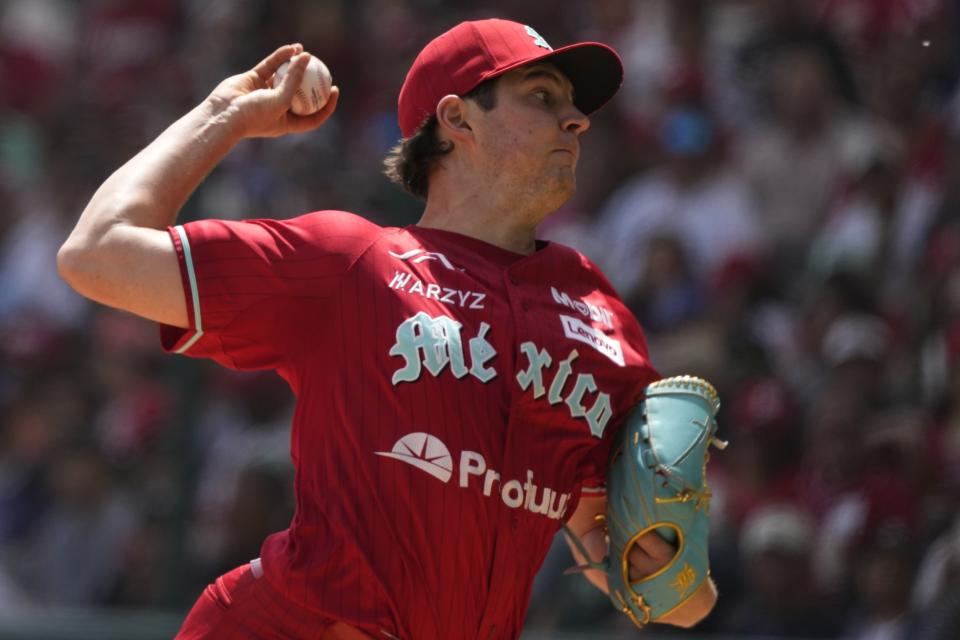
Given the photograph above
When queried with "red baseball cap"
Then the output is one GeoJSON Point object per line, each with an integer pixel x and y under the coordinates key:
{"type": "Point", "coordinates": [472, 52]}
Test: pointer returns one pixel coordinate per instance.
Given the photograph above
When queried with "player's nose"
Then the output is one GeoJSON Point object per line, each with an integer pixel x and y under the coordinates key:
{"type": "Point", "coordinates": [574, 120]}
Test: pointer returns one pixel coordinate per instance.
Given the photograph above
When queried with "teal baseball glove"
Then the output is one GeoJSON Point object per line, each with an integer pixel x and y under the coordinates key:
{"type": "Point", "coordinates": [657, 482]}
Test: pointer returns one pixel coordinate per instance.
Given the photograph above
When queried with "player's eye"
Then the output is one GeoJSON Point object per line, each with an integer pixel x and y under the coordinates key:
{"type": "Point", "coordinates": [543, 96]}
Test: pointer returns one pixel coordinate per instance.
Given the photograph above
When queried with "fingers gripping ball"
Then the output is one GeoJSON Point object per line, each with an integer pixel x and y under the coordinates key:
{"type": "Point", "coordinates": [314, 89]}
{"type": "Point", "coordinates": [657, 482]}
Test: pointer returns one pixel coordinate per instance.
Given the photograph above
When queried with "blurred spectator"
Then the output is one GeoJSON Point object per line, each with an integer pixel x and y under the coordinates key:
{"type": "Point", "coordinates": [664, 46]}
{"type": "Point", "coordinates": [883, 574]}
{"type": "Point", "coordinates": [855, 349]}
{"type": "Point", "coordinates": [28, 249]}
{"type": "Point", "coordinates": [936, 590]}
{"type": "Point", "coordinates": [854, 482]}
{"type": "Point", "coordinates": [144, 578]}
{"type": "Point", "coordinates": [939, 571]}
{"type": "Point", "coordinates": [72, 559]}
{"type": "Point", "coordinates": [244, 440]}
{"type": "Point", "coordinates": [137, 403]}
{"type": "Point", "coordinates": [261, 504]}
{"type": "Point", "coordinates": [761, 468]}
{"type": "Point", "coordinates": [944, 440]}
{"type": "Point", "coordinates": [777, 26]}
{"type": "Point", "coordinates": [877, 228]}
{"type": "Point", "coordinates": [123, 47]}
{"type": "Point", "coordinates": [793, 160]}
{"type": "Point", "coordinates": [866, 25]}
{"type": "Point", "coordinates": [29, 438]}
{"type": "Point", "coordinates": [668, 295]}
{"type": "Point", "coordinates": [937, 308]}
{"type": "Point", "coordinates": [780, 598]}
{"type": "Point", "coordinates": [37, 40]}
{"type": "Point", "coordinates": [693, 197]}
{"type": "Point", "coordinates": [942, 622]}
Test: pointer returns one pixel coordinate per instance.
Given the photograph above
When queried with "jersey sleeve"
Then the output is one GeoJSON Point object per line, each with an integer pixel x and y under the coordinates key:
{"type": "Point", "coordinates": [247, 283]}
{"type": "Point", "coordinates": [595, 481]}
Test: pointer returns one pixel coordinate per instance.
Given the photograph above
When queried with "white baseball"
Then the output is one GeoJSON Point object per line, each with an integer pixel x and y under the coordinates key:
{"type": "Point", "coordinates": [314, 89]}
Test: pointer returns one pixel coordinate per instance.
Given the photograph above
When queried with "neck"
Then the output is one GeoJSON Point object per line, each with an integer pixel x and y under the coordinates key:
{"type": "Point", "coordinates": [482, 214]}
{"type": "Point", "coordinates": [515, 239]}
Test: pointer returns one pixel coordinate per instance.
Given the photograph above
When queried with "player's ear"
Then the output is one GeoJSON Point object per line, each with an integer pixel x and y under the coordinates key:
{"type": "Point", "coordinates": [452, 117]}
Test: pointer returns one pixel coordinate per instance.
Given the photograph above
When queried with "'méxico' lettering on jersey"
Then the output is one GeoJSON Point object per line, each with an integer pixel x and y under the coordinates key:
{"type": "Point", "coordinates": [465, 299]}
{"type": "Point", "coordinates": [434, 343]}
{"type": "Point", "coordinates": [597, 416]}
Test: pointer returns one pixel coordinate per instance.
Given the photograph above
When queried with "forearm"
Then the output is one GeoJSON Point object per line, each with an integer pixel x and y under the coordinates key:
{"type": "Point", "coordinates": [587, 524]}
{"type": "Point", "coordinates": [150, 189]}
{"type": "Point", "coordinates": [596, 545]}
{"type": "Point", "coordinates": [119, 253]}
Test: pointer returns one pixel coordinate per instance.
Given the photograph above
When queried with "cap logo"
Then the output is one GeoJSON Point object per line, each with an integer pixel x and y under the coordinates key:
{"type": "Point", "coordinates": [537, 38]}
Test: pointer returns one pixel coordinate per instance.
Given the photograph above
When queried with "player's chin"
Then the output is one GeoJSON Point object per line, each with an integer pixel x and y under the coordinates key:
{"type": "Point", "coordinates": [558, 191]}
{"type": "Point", "coordinates": [563, 179]}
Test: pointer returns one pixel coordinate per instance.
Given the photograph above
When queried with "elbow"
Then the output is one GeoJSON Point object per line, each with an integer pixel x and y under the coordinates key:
{"type": "Point", "coordinates": [73, 262]}
{"type": "Point", "coordinates": [87, 259]}
{"type": "Point", "coordinates": [67, 262]}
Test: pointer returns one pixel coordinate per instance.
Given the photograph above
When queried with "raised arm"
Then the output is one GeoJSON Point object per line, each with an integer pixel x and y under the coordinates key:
{"type": "Point", "coordinates": [119, 253]}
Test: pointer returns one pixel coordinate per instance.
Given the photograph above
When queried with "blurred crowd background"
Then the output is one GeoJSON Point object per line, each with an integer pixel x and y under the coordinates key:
{"type": "Point", "coordinates": [775, 192]}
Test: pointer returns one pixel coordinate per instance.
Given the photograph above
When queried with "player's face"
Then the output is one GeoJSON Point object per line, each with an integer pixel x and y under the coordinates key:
{"type": "Point", "coordinates": [529, 142]}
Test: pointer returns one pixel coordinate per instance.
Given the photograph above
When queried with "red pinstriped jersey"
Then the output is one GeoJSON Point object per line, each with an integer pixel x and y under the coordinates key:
{"type": "Point", "coordinates": [454, 401]}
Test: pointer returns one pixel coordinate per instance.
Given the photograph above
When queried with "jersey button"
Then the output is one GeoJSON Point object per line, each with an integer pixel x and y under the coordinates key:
{"type": "Point", "coordinates": [513, 280]}
{"type": "Point", "coordinates": [525, 305]}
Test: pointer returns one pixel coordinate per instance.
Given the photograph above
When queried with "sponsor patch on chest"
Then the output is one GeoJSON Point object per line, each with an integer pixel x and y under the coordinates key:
{"type": "Point", "coordinates": [584, 308]}
{"type": "Point", "coordinates": [575, 329]}
{"type": "Point", "coordinates": [409, 284]}
{"type": "Point", "coordinates": [429, 454]}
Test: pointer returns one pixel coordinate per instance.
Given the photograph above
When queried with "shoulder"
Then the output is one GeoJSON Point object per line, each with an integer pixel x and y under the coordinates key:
{"type": "Point", "coordinates": [318, 223]}
{"type": "Point", "coordinates": [329, 222]}
{"type": "Point", "coordinates": [327, 231]}
{"type": "Point", "coordinates": [582, 266]}
{"type": "Point", "coordinates": [335, 238]}
{"type": "Point", "coordinates": [572, 256]}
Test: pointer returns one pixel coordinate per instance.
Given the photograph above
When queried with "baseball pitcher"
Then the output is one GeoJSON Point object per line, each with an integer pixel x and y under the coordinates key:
{"type": "Point", "coordinates": [463, 389]}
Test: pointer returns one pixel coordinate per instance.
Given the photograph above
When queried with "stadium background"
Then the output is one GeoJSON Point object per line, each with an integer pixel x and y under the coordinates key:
{"type": "Point", "coordinates": [775, 192]}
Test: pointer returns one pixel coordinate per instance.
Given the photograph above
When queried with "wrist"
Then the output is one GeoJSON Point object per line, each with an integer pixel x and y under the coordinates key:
{"type": "Point", "coordinates": [218, 118]}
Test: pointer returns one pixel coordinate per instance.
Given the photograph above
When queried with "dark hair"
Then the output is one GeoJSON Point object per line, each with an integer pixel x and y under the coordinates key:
{"type": "Point", "coordinates": [409, 163]}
